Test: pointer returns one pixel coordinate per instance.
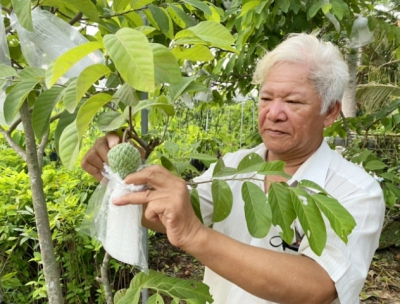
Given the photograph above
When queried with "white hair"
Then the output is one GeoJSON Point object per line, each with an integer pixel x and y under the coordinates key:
{"type": "Point", "coordinates": [328, 70]}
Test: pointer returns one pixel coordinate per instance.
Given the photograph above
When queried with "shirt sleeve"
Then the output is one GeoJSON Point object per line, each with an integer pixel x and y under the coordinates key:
{"type": "Point", "coordinates": [348, 264]}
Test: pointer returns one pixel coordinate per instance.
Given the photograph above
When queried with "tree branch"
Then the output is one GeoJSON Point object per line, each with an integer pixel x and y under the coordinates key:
{"type": "Point", "coordinates": [13, 144]}
{"type": "Point", "coordinates": [77, 17]}
{"type": "Point", "coordinates": [7, 10]}
{"type": "Point", "coordinates": [104, 278]}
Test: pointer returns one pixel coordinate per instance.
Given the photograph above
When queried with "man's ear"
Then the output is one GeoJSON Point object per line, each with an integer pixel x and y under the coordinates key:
{"type": "Point", "coordinates": [332, 113]}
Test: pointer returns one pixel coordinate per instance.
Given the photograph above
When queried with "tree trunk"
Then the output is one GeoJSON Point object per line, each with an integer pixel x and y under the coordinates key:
{"type": "Point", "coordinates": [349, 102]}
{"type": "Point", "coordinates": [50, 267]}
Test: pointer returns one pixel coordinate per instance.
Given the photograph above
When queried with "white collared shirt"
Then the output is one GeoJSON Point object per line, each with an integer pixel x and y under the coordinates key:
{"type": "Point", "coordinates": [347, 265]}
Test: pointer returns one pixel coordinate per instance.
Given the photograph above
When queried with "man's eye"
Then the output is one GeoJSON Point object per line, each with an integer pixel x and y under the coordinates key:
{"type": "Point", "coordinates": [293, 101]}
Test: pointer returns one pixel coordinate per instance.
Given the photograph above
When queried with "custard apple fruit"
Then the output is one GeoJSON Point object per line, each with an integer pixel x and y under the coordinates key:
{"type": "Point", "coordinates": [124, 159]}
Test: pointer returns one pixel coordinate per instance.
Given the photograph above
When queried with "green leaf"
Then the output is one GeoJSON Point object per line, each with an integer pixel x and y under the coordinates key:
{"type": "Point", "coordinates": [88, 110]}
{"type": "Point", "coordinates": [33, 73]}
{"type": "Point", "coordinates": [131, 296]}
{"type": "Point", "coordinates": [16, 97]}
{"type": "Point", "coordinates": [136, 4]}
{"type": "Point", "coordinates": [155, 299]}
{"type": "Point", "coordinates": [22, 9]}
{"type": "Point", "coordinates": [66, 119]}
{"type": "Point", "coordinates": [87, 7]}
{"type": "Point", "coordinates": [42, 110]}
{"type": "Point", "coordinates": [200, 5]}
{"type": "Point", "coordinates": [109, 121]}
{"type": "Point", "coordinates": [374, 165]}
{"type": "Point", "coordinates": [127, 95]}
{"type": "Point", "coordinates": [167, 164]}
{"type": "Point", "coordinates": [211, 32]}
{"type": "Point", "coordinates": [119, 295]}
{"type": "Point", "coordinates": [326, 7]}
{"type": "Point", "coordinates": [226, 171]}
{"type": "Point", "coordinates": [144, 104]}
{"type": "Point", "coordinates": [342, 222]}
{"type": "Point", "coordinates": [311, 185]}
{"type": "Point", "coordinates": [250, 163]}
{"type": "Point", "coordinates": [313, 10]}
{"type": "Point", "coordinates": [273, 168]}
{"type": "Point", "coordinates": [7, 71]}
{"type": "Point", "coordinates": [133, 57]}
{"type": "Point", "coordinates": [195, 53]}
{"type": "Point", "coordinates": [219, 165]}
{"type": "Point", "coordinates": [256, 209]}
{"type": "Point", "coordinates": [119, 5]}
{"type": "Point", "coordinates": [69, 146]}
{"type": "Point", "coordinates": [249, 6]}
{"type": "Point", "coordinates": [394, 189]}
{"type": "Point", "coordinates": [195, 200]}
{"type": "Point", "coordinates": [67, 60]}
{"type": "Point", "coordinates": [88, 77]}
{"type": "Point", "coordinates": [162, 20]}
{"type": "Point", "coordinates": [70, 95]}
{"type": "Point", "coordinates": [283, 213]}
{"type": "Point", "coordinates": [179, 16]}
{"type": "Point", "coordinates": [177, 90]}
{"type": "Point", "coordinates": [310, 219]}
{"type": "Point", "coordinates": [166, 67]}
{"type": "Point", "coordinates": [205, 158]}
{"type": "Point", "coordinates": [222, 198]}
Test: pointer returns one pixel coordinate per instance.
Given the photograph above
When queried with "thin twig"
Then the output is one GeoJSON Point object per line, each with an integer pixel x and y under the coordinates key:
{"type": "Point", "coordinates": [346, 126]}
{"type": "Point", "coordinates": [7, 10]}
{"type": "Point", "coordinates": [165, 130]}
{"type": "Point", "coordinates": [13, 144]}
{"type": "Point", "coordinates": [77, 17]}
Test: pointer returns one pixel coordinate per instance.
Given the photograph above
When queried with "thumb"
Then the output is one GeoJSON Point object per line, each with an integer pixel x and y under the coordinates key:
{"type": "Point", "coordinates": [113, 139]}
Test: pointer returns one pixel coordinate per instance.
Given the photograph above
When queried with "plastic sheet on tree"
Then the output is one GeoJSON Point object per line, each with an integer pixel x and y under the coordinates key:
{"type": "Point", "coordinates": [118, 228]}
{"type": "Point", "coordinates": [51, 38]}
{"type": "Point", "coordinates": [360, 33]}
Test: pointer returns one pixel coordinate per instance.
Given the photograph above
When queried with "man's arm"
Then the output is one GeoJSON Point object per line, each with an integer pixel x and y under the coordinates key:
{"type": "Point", "coordinates": [274, 276]}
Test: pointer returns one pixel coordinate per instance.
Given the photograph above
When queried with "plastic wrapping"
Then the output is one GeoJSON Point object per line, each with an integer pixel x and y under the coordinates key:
{"type": "Point", "coordinates": [360, 33]}
{"type": "Point", "coordinates": [51, 38]}
{"type": "Point", "coordinates": [118, 228]}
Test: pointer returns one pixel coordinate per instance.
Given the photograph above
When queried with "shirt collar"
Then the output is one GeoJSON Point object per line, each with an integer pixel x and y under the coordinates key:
{"type": "Point", "coordinates": [314, 169]}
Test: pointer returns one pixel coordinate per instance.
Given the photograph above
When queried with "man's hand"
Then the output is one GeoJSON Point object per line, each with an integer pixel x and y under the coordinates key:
{"type": "Point", "coordinates": [94, 159]}
{"type": "Point", "coordinates": [168, 202]}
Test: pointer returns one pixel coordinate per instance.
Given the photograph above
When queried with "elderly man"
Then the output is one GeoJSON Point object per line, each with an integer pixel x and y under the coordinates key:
{"type": "Point", "coordinates": [302, 82]}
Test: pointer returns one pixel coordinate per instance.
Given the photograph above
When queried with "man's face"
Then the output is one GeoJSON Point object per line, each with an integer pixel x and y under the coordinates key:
{"type": "Point", "coordinates": [289, 119]}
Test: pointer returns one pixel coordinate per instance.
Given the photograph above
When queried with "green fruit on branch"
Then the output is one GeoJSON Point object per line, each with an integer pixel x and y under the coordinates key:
{"type": "Point", "coordinates": [124, 159]}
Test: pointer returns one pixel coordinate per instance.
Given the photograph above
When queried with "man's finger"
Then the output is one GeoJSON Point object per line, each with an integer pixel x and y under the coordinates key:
{"type": "Point", "coordinates": [156, 177]}
{"type": "Point", "coordinates": [113, 139]}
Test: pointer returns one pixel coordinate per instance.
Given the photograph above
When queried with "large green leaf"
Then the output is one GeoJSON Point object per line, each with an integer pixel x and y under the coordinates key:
{"type": "Point", "coordinates": [136, 4]}
{"type": "Point", "coordinates": [67, 60]}
{"type": "Point", "coordinates": [176, 90]}
{"type": "Point", "coordinates": [374, 165]}
{"type": "Point", "coordinates": [16, 97]}
{"type": "Point", "coordinates": [119, 5]}
{"type": "Point", "coordinates": [283, 213]}
{"type": "Point", "coordinates": [166, 67]}
{"type": "Point", "coordinates": [43, 108]}
{"type": "Point", "coordinates": [133, 57]}
{"type": "Point", "coordinates": [87, 7]}
{"type": "Point", "coordinates": [273, 168]}
{"type": "Point", "coordinates": [168, 109]}
{"type": "Point", "coordinates": [342, 222]}
{"type": "Point", "coordinates": [111, 120]}
{"type": "Point", "coordinates": [70, 95]}
{"type": "Point", "coordinates": [119, 295]}
{"type": "Point", "coordinates": [256, 209]}
{"type": "Point", "coordinates": [88, 110]}
{"type": "Point", "coordinates": [195, 53]}
{"type": "Point", "coordinates": [65, 120]}
{"type": "Point", "coordinates": [200, 5]}
{"type": "Point", "coordinates": [155, 299]}
{"type": "Point", "coordinates": [310, 219]}
{"type": "Point", "coordinates": [250, 163]}
{"type": "Point", "coordinates": [162, 20]}
{"type": "Point", "coordinates": [212, 32]}
{"type": "Point", "coordinates": [127, 95]}
{"type": "Point", "coordinates": [7, 71]}
{"type": "Point", "coordinates": [22, 9]}
{"type": "Point", "coordinates": [33, 73]}
{"type": "Point", "coordinates": [131, 296]}
{"type": "Point", "coordinates": [222, 199]}
{"type": "Point", "coordinates": [195, 200]}
{"type": "Point", "coordinates": [69, 146]}
{"type": "Point", "coordinates": [88, 77]}
{"type": "Point", "coordinates": [179, 16]}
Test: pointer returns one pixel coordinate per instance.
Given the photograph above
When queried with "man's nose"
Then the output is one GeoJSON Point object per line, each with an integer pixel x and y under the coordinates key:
{"type": "Point", "coordinates": [276, 111]}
